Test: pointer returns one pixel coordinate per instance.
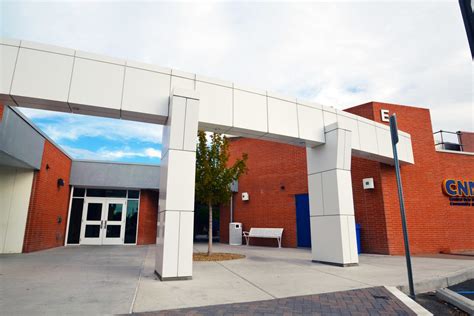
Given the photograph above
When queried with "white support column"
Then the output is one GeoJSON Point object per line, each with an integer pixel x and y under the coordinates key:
{"type": "Point", "coordinates": [174, 242]}
{"type": "Point", "coordinates": [333, 235]}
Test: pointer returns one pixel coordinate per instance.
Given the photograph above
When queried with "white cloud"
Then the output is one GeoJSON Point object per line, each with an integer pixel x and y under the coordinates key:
{"type": "Point", "coordinates": [111, 155]}
{"type": "Point", "coordinates": [335, 53]}
{"type": "Point", "coordinates": [66, 126]}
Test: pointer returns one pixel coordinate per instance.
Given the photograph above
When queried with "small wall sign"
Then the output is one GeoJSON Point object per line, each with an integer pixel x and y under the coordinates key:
{"type": "Point", "coordinates": [385, 115]}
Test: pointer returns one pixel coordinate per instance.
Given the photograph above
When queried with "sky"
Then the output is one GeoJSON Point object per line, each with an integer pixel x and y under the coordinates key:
{"type": "Point", "coordinates": [334, 53]}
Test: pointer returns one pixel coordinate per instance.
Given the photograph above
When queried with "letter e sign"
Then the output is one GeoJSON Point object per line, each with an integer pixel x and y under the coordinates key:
{"type": "Point", "coordinates": [384, 116]}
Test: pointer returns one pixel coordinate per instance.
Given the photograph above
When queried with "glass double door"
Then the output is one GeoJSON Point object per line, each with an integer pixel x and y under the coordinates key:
{"type": "Point", "coordinates": [103, 221]}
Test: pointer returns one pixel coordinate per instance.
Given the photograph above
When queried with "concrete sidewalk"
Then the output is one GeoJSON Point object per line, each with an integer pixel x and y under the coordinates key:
{"type": "Point", "coordinates": [120, 279]}
{"type": "Point", "coordinates": [268, 273]}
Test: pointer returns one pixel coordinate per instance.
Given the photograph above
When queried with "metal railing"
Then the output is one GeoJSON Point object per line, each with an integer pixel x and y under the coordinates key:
{"type": "Point", "coordinates": [447, 140]}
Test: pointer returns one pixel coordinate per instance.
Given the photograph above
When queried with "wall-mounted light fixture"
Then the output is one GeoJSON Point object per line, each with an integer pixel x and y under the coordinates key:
{"type": "Point", "coordinates": [60, 182]}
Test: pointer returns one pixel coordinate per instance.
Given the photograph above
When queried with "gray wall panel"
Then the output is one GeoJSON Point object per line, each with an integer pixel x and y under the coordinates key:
{"type": "Point", "coordinates": [114, 175]}
{"type": "Point", "coordinates": [19, 140]}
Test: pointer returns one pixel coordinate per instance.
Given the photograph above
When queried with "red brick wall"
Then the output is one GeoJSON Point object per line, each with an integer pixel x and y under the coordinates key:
{"type": "Point", "coordinates": [147, 217]}
{"type": "Point", "coordinates": [271, 166]}
{"type": "Point", "coordinates": [1, 111]}
{"type": "Point", "coordinates": [467, 141]}
{"type": "Point", "coordinates": [433, 224]}
{"type": "Point", "coordinates": [48, 202]}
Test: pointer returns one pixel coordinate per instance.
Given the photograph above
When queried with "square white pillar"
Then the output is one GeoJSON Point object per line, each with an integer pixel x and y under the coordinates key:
{"type": "Point", "coordinates": [174, 242]}
{"type": "Point", "coordinates": [333, 235]}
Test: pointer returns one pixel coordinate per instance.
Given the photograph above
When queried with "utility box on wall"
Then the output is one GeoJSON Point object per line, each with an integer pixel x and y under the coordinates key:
{"type": "Point", "coordinates": [245, 196]}
{"type": "Point", "coordinates": [368, 183]}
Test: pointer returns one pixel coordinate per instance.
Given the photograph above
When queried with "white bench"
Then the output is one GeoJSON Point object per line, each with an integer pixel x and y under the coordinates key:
{"type": "Point", "coordinates": [264, 233]}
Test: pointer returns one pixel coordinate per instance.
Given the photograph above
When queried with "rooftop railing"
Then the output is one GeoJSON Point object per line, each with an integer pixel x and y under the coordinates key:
{"type": "Point", "coordinates": [446, 140]}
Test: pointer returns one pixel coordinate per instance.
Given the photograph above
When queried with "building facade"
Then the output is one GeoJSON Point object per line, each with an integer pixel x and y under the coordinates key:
{"type": "Point", "coordinates": [277, 186]}
{"type": "Point", "coordinates": [49, 199]}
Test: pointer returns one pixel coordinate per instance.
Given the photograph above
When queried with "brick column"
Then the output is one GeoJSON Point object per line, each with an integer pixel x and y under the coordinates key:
{"type": "Point", "coordinates": [333, 236]}
{"type": "Point", "coordinates": [174, 249]}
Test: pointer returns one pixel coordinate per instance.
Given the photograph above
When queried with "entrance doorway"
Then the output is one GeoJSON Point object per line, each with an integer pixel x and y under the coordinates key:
{"type": "Point", "coordinates": [303, 229]}
{"type": "Point", "coordinates": [103, 221]}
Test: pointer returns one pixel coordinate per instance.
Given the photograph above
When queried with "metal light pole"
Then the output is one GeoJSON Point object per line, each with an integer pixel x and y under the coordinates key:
{"type": "Point", "coordinates": [394, 134]}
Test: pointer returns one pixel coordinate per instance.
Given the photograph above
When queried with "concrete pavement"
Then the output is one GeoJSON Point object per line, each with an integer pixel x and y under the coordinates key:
{"type": "Point", "coordinates": [120, 279]}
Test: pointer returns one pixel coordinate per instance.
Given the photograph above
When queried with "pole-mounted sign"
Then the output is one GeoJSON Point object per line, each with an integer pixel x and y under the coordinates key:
{"type": "Point", "coordinates": [394, 134]}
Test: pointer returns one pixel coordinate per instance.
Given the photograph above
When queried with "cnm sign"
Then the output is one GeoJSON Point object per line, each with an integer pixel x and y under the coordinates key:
{"type": "Point", "coordinates": [460, 192]}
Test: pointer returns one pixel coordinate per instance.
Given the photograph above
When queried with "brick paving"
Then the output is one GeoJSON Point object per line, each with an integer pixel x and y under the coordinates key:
{"type": "Point", "coordinates": [370, 301]}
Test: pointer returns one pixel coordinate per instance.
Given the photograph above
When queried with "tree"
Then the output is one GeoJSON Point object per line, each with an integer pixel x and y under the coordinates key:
{"type": "Point", "coordinates": [213, 175]}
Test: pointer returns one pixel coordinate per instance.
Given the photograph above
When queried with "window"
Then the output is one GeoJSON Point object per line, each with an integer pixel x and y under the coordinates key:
{"type": "Point", "coordinates": [131, 222]}
{"type": "Point", "coordinates": [106, 193]}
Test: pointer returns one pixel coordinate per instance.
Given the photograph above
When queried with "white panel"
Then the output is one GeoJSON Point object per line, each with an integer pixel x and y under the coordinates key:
{"type": "Point", "coordinates": [350, 124]}
{"type": "Point", "coordinates": [183, 74]}
{"type": "Point", "coordinates": [180, 181]}
{"type": "Point", "coordinates": [250, 112]}
{"type": "Point", "coordinates": [191, 124]}
{"type": "Point", "coordinates": [329, 118]}
{"type": "Point", "coordinates": [149, 67]}
{"type": "Point", "coordinates": [326, 239]}
{"type": "Point", "coordinates": [405, 150]}
{"type": "Point", "coordinates": [48, 48]}
{"type": "Point", "coordinates": [160, 232]}
{"type": "Point", "coordinates": [310, 104]}
{"type": "Point", "coordinates": [186, 229]}
{"type": "Point", "coordinates": [282, 118]}
{"type": "Point", "coordinates": [330, 192]}
{"type": "Point", "coordinates": [173, 136]}
{"type": "Point", "coordinates": [315, 192]}
{"type": "Point", "coordinates": [215, 81]}
{"type": "Point", "coordinates": [146, 92]}
{"type": "Point", "coordinates": [15, 192]}
{"type": "Point", "coordinates": [311, 124]}
{"type": "Point", "coordinates": [102, 58]}
{"type": "Point", "coordinates": [9, 41]}
{"type": "Point", "coordinates": [178, 82]}
{"type": "Point", "coordinates": [42, 75]}
{"type": "Point", "coordinates": [350, 251]}
{"type": "Point", "coordinates": [337, 192]}
{"type": "Point", "coordinates": [215, 104]}
{"type": "Point", "coordinates": [344, 192]}
{"type": "Point", "coordinates": [384, 142]}
{"type": "Point", "coordinates": [170, 245]}
{"type": "Point", "coordinates": [348, 150]}
{"type": "Point", "coordinates": [368, 138]}
{"type": "Point", "coordinates": [8, 56]}
{"type": "Point", "coordinates": [327, 156]}
{"type": "Point", "coordinates": [97, 84]}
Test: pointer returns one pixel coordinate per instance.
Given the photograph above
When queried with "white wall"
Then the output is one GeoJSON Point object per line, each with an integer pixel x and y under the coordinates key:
{"type": "Point", "coordinates": [15, 192]}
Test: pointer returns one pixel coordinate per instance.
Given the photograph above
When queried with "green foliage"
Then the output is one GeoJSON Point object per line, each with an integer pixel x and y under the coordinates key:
{"type": "Point", "coordinates": [213, 175]}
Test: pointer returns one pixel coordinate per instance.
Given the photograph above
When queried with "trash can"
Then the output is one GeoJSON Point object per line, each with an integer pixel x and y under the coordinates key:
{"type": "Point", "coordinates": [235, 234]}
{"type": "Point", "coordinates": [359, 249]}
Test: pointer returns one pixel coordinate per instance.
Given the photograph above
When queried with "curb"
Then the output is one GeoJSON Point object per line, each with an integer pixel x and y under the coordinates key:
{"type": "Point", "coordinates": [436, 283]}
{"type": "Point", "coordinates": [457, 300]}
{"type": "Point", "coordinates": [405, 299]}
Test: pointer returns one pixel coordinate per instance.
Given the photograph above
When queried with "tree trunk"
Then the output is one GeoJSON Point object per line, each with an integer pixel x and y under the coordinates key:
{"type": "Point", "coordinates": [209, 246]}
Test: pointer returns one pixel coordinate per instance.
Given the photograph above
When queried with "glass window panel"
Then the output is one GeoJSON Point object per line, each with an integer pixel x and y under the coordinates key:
{"type": "Point", "coordinates": [133, 194]}
{"type": "Point", "coordinates": [92, 231]}
{"type": "Point", "coordinates": [75, 219]}
{"type": "Point", "coordinates": [116, 193]}
{"type": "Point", "coordinates": [115, 212]}
{"type": "Point", "coordinates": [96, 192]}
{"type": "Point", "coordinates": [106, 193]}
{"type": "Point", "coordinates": [79, 192]}
{"type": "Point", "coordinates": [131, 222]}
{"type": "Point", "coordinates": [94, 211]}
{"type": "Point", "coordinates": [113, 231]}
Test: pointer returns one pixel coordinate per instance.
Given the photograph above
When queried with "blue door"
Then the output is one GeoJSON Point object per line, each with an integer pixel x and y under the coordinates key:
{"type": "Point", "coordinates": [303, 232]}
